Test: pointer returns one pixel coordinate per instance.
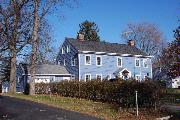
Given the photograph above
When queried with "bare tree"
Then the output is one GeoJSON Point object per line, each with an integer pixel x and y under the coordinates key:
{"type": "Point", "coordinates": [14, 19]}
{"type": "Point", "coordinates": [147, 37]}
{"type": "Point", "coordinates": [41, 9]}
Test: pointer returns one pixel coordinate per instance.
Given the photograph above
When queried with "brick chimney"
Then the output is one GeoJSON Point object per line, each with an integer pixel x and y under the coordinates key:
{"type": "Point", "coordinates": [131, 43]}
{"type": "Point", "coordinates": [80, 36]}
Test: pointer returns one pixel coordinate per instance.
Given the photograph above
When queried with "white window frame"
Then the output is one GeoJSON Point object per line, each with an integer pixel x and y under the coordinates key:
{"type": "Point", "coordinates": [139, 62]}
{"type": "Point", "coordinates": [98, 75]}
{"type": "Point", "coordinates": [85, 60]}
{"type": "Point", "coordinates": [89, 76]}
{"type": "Point", "coordinates": [139, 77]}
{"type": "Point", "coordinates": [64, 62]}
{"type": "Point", "coordinates": [73, 60]}
{"type": "Point", "coordinates": [118, 61]}
{"type": "Point", "coordinates": [100, 61]}
{"type": "Point", "coordinates": [62, 50]}
{"type": "Point", "coordinates": [145, 61]}
{"type": "Point", "coordinates": [68, 48]}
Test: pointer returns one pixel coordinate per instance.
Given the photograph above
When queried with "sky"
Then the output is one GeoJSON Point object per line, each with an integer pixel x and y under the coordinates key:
{"type": "Point", "coordinates": [112, 17]}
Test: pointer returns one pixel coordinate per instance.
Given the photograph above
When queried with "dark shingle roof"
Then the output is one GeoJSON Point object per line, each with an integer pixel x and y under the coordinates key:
{"type": "Point", "coordinates": [105, 47]}
{"type": "Point", "coordinates": [49, 69]}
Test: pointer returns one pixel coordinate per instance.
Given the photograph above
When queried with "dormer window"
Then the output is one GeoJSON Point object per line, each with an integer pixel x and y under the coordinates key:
{"type": "Point", "coordinates": [62, 50]}
{"type": "Point", "coordinates": [137, 62]}
{"type": "Point", "coordinates": [68, 49]}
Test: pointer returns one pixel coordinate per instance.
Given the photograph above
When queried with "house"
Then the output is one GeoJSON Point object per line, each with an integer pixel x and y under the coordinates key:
{"type": "Point", "coordinates": [87, 60]}
{"type": "Point", "coordinates": [175, 83]}
{"type": "Point", "coordinates": [44, 74]}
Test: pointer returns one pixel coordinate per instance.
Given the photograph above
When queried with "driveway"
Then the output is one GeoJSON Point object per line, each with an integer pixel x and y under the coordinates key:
{"type": "Point", "coordinates": [17, 109]}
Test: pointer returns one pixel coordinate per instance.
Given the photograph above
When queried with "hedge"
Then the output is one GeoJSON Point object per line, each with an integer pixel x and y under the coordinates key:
{"type": "Point", "coordinates": [119, 92]}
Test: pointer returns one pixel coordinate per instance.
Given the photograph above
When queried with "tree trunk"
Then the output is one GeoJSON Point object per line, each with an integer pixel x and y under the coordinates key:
{"type": "Point", "coordinates": [12, 87]}
{"type": "Point", "coordinates": [34, 47]}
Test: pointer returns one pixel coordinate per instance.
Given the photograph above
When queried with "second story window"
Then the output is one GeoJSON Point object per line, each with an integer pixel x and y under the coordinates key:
{"type": "Point", "coordinates": [119, 61]}
{"type": "Point", "coordinates": [137, 62]}
{"type": "Point", "coordinates": [73, 62]}
{"type": "Point", "coordinates": [145, 64]}
{"type": "Point", "coordinates": [87, 60]}
{"type": "Point", "coordinates": [68, 49]}
{"type": "Point", "coordinates": [62, 50]}
{"type": "Point", "coordinates": [98, 61]}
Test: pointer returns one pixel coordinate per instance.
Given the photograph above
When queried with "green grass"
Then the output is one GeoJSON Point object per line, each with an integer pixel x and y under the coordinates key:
{"type": "Point", "coordinates": [97, 109]}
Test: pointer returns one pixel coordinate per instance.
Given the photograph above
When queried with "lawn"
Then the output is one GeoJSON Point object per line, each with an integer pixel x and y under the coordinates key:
{"type": "Point", "coordinates": [97, 109]}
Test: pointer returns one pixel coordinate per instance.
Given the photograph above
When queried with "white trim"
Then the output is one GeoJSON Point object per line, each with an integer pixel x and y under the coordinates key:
{"type": "Point", "coordinates": [79, 66]}
{"type": "Point", "coordinates": [68, 48]}
{"type": "Point", "coordinates": [139, 62]}
{"type": "Point", "coordinates": [46, 74]}
{"type": "Point", "coordinates": [111, 53]}
{"type": "Point", "coordinates": [62, 50]}
{"type": "Point", "coordinates": [99, 75]}
{"type": "Point", "coordinates": [110, 77]}
{"type": "Point", "coordinates": [89, 76]}
{"type": "Point", "coordinates": [64, 62]}
{"type": "Point", "coordinates": [126, 55]}
{"type": "Point", "coordinates": [100, 60]}
{"type": "Point", "coordinates": [145, 60]}
{"type": "Point", "coordinates": [87, 51]}
{"type": "Point", "coordinates": [99, 53]}
{"type": "Point", "coordinates": [137, 55]}
{"type": "Point", "coordinates": [118, 61]}
{"type": "Point", "coordinates": [85, 60]}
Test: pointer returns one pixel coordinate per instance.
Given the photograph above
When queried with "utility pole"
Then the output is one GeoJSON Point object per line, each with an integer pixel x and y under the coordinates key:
{"type": "Point", "coordinates": [137, 112]}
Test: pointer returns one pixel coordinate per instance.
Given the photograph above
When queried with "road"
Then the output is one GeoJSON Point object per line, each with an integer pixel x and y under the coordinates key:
{"type": "Point", "coordinates": [17, 109]}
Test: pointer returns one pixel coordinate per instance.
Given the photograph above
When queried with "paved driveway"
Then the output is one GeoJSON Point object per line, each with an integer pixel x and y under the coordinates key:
{"type": "Point", "coordinates": [16, 109]}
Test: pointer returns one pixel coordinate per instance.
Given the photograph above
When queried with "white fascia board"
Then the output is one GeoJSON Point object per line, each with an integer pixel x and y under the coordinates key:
{"type": "Point", "coordinates": [126, 55]}
{"type": "Point", "coordinates": [48, 74]}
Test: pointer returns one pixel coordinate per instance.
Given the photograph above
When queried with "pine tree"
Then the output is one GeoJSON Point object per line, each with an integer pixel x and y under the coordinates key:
{"type": "Point", "coordinates": [90, 31]}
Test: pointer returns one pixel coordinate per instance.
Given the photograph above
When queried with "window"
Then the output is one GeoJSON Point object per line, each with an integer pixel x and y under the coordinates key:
{"type": "Point", "coordinates": [73, 61]}
{"type": "Point", "coordinates": [87, 60]}
{"type": "Point", "coordinates": [68, 49]}
{"type": "Point", "coordinates": [87, 77]}
{"type": "Point", "coordinates": [62, 50]}
{"type": "Point", "coordinates": [98, 76]}
{"type": "Point", "coordinates": [119, 62]}
{"type": "Point", "coordinates": [137, 62]}
{"type": "Point", "coordinates": [72, 77]}
{"type": "Point", "coordinates": [145, 64]}
{"type": "Point", "coordinates": [98, 61]}
{"type": "Point", "coordinates": [64, 62]}
{"type": "Point", "coordinates": [138, 77]}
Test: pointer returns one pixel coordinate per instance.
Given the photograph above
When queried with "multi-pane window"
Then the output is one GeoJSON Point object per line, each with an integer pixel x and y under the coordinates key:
{"type": "Point", "coordinates": [98, 61]}
{"type": "Point", "coordinates": [119, 62]}
{"type": "Point", "coordinates": [68, 49]}
{"type": "Point", "coordinates": [99, 77]}
{"type": "Point", "coordinates": [87, 60]}
{"type": "Point", "coordinates": [62, 50]}
{"type": "Point", "coordinates": [73, 61]}
{"type": "Point", "coordinates": [137, 62]}
{"type": "Point", "coordinates": [145, 64]}
{"type": "Point", "coordinates": [87, 77]}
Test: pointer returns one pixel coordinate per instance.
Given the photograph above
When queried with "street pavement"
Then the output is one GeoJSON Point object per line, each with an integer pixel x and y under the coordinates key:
{"type": "Point", "coordinates": [17, 109]}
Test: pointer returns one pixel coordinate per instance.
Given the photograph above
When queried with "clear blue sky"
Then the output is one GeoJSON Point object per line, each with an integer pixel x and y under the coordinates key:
{"type": "Point", "coordinates": [112, 16]}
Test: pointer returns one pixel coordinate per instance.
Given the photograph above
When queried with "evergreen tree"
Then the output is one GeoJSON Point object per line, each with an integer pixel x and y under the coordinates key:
{"type": "Point", "coordinates": [90, 31]}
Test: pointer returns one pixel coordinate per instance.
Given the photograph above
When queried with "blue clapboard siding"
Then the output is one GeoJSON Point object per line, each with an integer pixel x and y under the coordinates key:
{"type": "Point", "coordinates": [73, 70]}
{"type": "Point", "coordinates": [109, 66]}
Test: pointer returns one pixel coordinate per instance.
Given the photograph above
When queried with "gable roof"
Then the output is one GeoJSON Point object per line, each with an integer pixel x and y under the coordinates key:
{"type": "Point", "coordinates": [105, 47]}
{"type": "Point", "coordinates": [47, 69]}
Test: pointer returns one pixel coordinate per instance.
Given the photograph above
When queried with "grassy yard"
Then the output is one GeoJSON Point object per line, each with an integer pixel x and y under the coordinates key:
{"type": "Point", "coordinates": [98, 109]}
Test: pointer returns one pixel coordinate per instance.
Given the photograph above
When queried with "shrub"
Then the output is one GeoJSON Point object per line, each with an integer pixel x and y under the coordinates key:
{"type": "Point", "coordinates": [119, 92]}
